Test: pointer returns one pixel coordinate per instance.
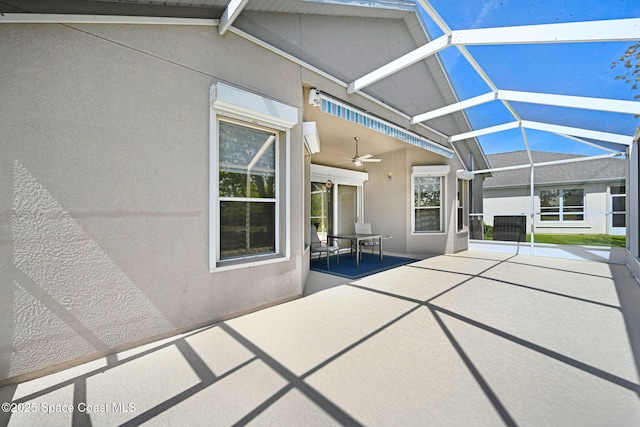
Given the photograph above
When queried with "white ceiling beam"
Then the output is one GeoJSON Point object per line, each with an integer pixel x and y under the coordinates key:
{"type": "Point", "coordinates": [433, 14]}
{"type": "Point", "coordinates": [230, 14]}
{"type": "Point", "coordinates": [553, 162]}
{"type": "Point", "coordinates": [396, 65]}
{"type": "Point", "coordinates": [526, 144]}
{"type": "Point", "coordinates": [556, 129]}
{"type": "Point", "coordinates": [613, 30]}
{"type": "Point", "coordinates": [485, 131]}
{"type": "Point", "coordinates": [579, 132]}
{"type": "Point", "coordinates": [582, 102]}
{"type": "Point", "coordinates": [572, 32]}
{"type": "Point", "coordinates": [328, 76]}
{"type": "Point", "coordinates": [468, 103]}
{"type": "Point", "coordinates": [591, 144]}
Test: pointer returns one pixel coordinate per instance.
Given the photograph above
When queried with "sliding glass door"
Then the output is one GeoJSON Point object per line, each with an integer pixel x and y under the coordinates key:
{"type": "Point", "coordinates": [321, 209]}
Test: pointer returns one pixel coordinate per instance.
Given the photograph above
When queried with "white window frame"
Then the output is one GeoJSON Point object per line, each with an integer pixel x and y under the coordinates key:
{"type": "Point", "coordinates": [561, 207]}
{"type": "Point", "coordinates": [275, 200]}
{"type": "Point", "coordinates": [320, 173]}
{"type": "Point", "coordinates": [463, 177]}
{"type": "Point", "coordinates": [239, 105]}
{"type": "Point", "coordinates": [611, 196]}
{"type": "Point", "coordinates": [430, 171]}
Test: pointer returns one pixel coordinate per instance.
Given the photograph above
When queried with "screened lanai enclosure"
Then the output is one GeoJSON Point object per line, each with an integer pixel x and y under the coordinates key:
{"type": "Point", "coordinates": [550, 93]}
{"type": "Point", "coordinates": [163, 161]}
{"type": "Point", "coordinates": [547, 91]}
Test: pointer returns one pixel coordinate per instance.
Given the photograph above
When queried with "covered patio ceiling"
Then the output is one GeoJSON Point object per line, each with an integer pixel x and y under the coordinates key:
{"type": "Point", "coordinates": [338, 144]}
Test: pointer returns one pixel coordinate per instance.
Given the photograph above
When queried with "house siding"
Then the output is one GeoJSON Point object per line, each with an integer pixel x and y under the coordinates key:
{"type": "Point", "coordinates": [104, 226]}
{"type": "Point", "coordinates": [516, 201]}
{"type": "Point", "coordinates": [104, 177]}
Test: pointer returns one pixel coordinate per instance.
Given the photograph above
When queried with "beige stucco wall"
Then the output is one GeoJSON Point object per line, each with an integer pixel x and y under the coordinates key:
{"type": "Point", "coordinates": [104, 232]}
{"type": "Point", "coordinates": [388, 203]}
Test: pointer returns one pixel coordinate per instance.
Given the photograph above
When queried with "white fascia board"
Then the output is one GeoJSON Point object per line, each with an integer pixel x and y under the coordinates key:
{"type": "Point", "coordinates": [485, 131]}
{"type": "Point", "coordinates": [582, 102]}
{"type": "Point", "coordinates": [396, 65]}
{"type": "Point", "coordinates": [432, 170]}
{"type": "Point", "coordinates": [464, 174]}
{"type": "Point", "coordinates": [35, 18]}
{"type": "Point", "coordinates": [230, 14]}
{"type": "Point", "coordinates": [584, 133]}
{"type": "Point", "coordinates": [468, 103]}
{"type": "Point", "coordinates": [614, 30]}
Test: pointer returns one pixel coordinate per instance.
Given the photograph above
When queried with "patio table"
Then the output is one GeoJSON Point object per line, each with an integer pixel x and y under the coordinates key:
{"type": "Point", "coordinates": [357, 238]}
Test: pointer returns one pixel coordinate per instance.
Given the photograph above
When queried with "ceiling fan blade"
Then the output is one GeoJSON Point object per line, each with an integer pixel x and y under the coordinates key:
{"type": "Point", "coordinates": [366, 156]}
{"type": "Point", "coordinates": [371, 160]}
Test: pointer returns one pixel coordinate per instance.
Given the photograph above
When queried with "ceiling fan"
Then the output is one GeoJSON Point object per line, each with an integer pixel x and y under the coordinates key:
{"type": "Point", "coordinates": [358, 160]}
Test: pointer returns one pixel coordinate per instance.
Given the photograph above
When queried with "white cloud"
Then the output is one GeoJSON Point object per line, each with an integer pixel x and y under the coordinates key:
{"type": "Point", "coordinates": [486, 11]}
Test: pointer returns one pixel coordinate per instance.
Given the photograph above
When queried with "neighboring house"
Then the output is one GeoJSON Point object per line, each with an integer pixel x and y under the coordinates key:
{"type": "Point", "coordinates": [585, 197]}
{"type": "Point", "coordinates": [156, 175]}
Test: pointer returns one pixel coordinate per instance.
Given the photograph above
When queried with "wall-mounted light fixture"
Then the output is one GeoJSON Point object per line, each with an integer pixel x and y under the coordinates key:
{"type": "Point", "coordinates": [314, 97]}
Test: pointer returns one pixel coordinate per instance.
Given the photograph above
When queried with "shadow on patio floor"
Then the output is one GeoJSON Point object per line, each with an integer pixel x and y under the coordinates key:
{"type": "Point", "coordinates": [473, 338]}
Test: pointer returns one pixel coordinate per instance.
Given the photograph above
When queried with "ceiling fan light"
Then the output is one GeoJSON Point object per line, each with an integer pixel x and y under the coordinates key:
{"type": "Point", "coordinates": [357, 162]}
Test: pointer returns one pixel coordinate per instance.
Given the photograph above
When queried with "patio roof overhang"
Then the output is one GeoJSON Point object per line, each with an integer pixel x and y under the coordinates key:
{"type": "Point", "coordinates": [347, 112]}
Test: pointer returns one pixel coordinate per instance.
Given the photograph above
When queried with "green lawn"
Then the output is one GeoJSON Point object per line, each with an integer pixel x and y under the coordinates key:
{"type": "Point", "coordinates": [576, 239]}
{"type": "Point", "coordinates": [581, 239]}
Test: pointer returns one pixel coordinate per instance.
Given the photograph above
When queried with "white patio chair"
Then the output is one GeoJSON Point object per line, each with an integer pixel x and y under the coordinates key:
{"type": "Point", "coordinates": [365, 228]}
{"type": "Point", "coordinates": [318, 247]}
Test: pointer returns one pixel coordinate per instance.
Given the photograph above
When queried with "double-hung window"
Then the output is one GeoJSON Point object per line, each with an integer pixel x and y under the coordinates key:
{"type": "Point", "coordinates": [562, 205]}
{"type": "Point", "coordinates": [249, 178]}
{"type": "Point", "coordinates": [248, 190]}
{"type": "Point", "coordinates": [427, 201]}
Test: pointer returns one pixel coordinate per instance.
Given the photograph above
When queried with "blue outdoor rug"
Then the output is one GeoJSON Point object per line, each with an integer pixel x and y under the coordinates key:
{"type": "Point", "coordinates": [370, 264]}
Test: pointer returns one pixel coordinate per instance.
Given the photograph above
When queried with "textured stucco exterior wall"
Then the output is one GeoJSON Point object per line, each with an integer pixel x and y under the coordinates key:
{"type": "Point", "coordinates": [104, 135]}
{"type": "Point", "coordinates": [388, 204]}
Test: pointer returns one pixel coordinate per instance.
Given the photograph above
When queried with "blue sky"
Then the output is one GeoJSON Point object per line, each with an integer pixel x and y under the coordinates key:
{"type": "Point", "coordinates": [581, 69]}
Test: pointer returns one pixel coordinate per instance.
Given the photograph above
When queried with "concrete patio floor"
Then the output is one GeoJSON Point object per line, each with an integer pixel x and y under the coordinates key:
{"type": "Point", "coordinates": [475, 338]}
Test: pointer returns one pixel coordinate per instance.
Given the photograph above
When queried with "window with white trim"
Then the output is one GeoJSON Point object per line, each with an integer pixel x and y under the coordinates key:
{"type": "Point", "coordinates": [249, 207]}
{"type": "Point", "coordinates": [248, 190]}
{"type": "Point", "coordinates": [427, 201]}
{"type": "Point", "coordinates": [463, 199]}
{"type": "Point", "coordinates": [562, 204]}
{"type": "Point", "coordinates": [618, 206]}
{"type": "Point", "coordinates": [462, 205]}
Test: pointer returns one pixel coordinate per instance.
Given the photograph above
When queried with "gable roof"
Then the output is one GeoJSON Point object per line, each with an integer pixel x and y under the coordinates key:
{"type": "Point", "coordinates": [607, 169]}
